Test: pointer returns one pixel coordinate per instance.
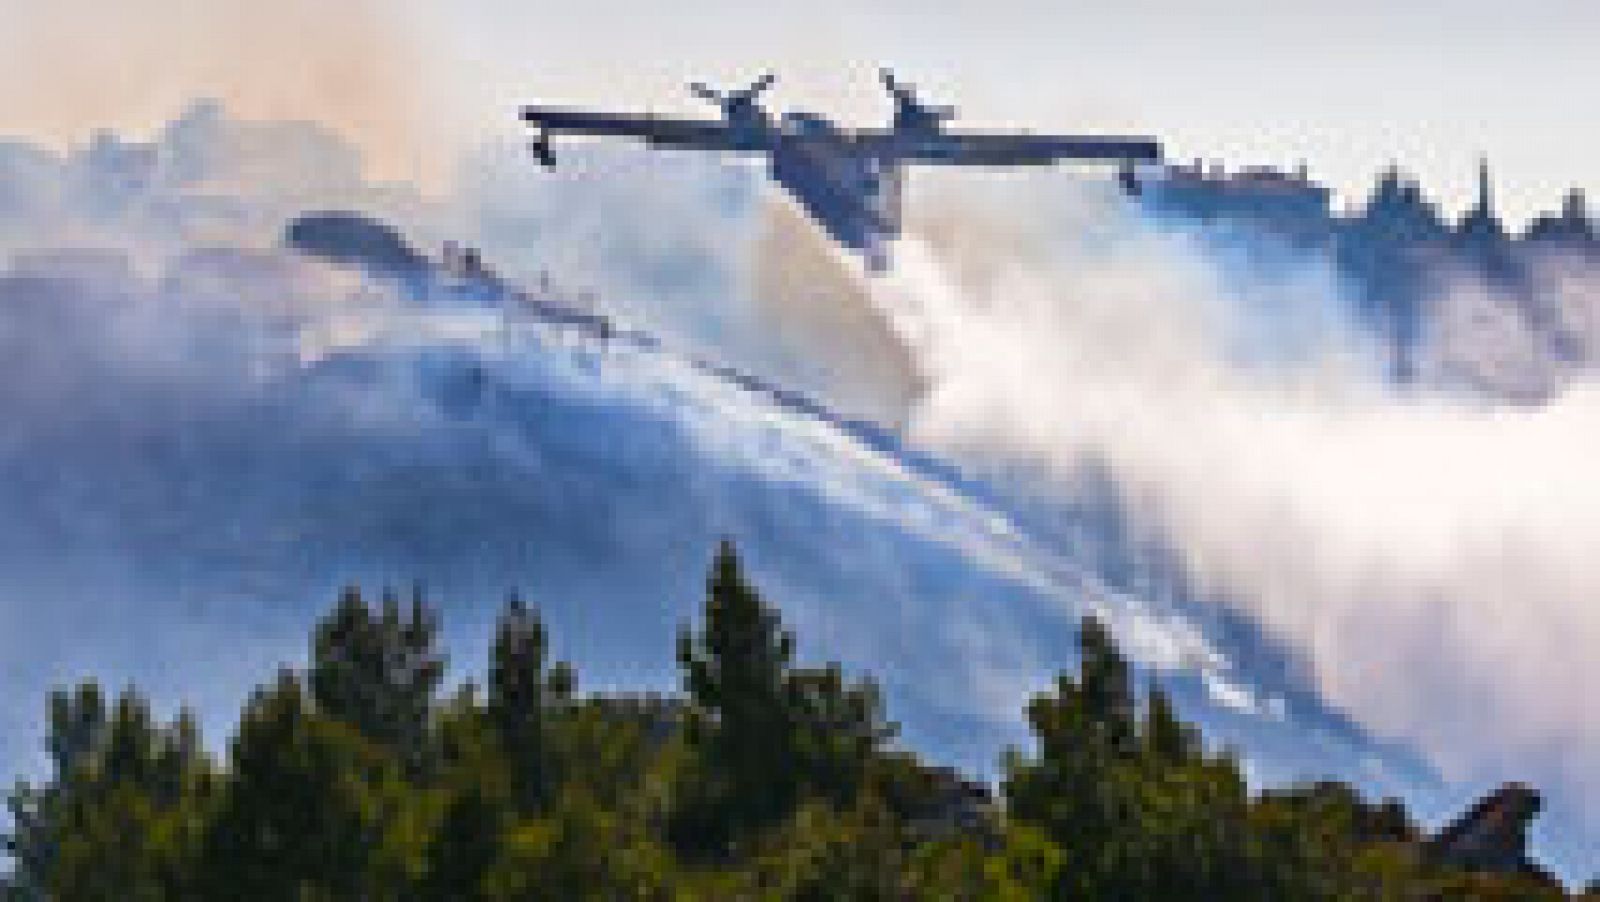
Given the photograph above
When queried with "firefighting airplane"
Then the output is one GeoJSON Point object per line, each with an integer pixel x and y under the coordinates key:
{"type": "Point", "coordinates": [848, 180]}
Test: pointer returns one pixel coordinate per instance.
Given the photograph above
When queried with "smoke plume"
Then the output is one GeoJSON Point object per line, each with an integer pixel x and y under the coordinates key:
{"type": "Point", "coordinates": [1429, 556]}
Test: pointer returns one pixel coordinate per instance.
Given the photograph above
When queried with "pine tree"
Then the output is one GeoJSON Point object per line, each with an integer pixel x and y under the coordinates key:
{"type": "Point", "coordinates": [765, 733]}
{"type": "Point", "coordinates": [306, 808]}
{"type": "Point", "coordinates": [76, 733]}
{"type": "Point", "coordinates": [1083, 787]}
{"type": "Point", "coordinates": [740, 723]}
{"type": "Point", "coordinates": [1105, 688]}
{"type": "Point", "coordinates": [378, 671]}
{"type": "Point", "coordinates": [1138, 808]}
{"type": "Point", "coordinates": [478, 805]}
{"type": "Point", "coordinates": [839, 732]}
{"type": "Point", "coordinates": [1084, 729]}
{"type": "Point", "coordinates": [1167, 739]}
{"type": "Point", "coordinates": [118, 819]}
{"type": "Point", "coordinates": [78, 724]}
{"type": "Point", "coordinates": [525, 694]}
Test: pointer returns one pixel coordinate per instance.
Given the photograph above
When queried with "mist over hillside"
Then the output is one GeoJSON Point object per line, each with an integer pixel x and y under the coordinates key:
{"type": "Point", "coordinates": [210, 431]}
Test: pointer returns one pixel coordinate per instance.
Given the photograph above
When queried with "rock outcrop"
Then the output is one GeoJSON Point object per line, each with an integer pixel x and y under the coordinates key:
{"type": "Point", "coordinates": [1492, 836]}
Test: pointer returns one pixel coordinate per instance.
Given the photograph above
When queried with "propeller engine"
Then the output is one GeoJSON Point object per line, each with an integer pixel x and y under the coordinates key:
{"type": "Point", "coordinates": [737, 106]}
{"type": "Point", "coordinates": [910, 113]}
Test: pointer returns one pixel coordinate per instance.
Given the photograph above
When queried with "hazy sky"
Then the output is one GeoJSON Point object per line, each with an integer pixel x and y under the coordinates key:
{"type": "Point", "coordinates": [1346, 86]}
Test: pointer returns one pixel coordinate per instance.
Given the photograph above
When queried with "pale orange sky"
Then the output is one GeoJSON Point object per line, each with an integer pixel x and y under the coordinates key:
{"type": "Point", "coordinates": [133, 64]}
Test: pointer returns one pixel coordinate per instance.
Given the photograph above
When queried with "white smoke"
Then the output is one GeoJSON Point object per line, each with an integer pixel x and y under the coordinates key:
{"type": "Point", "coordinates": [1431, 557]}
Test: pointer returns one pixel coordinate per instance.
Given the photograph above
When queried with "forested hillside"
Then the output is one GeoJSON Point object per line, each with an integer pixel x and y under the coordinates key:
{"type": "Point", "coordinates": [365, 777]}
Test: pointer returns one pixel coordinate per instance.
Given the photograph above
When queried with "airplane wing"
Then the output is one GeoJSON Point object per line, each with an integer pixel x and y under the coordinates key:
{"type": "Point", "coordinates": [662, 131]}
{"type": "Point", "coordinates": [998, 149]}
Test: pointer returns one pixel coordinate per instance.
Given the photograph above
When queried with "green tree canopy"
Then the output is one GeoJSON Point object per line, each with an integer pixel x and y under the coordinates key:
{"type": "Point", "coordinates": [378, 671]}
{"type": "Point", "coordinates": [764, 779]}
{"type": "Point", "coordinates": [525, 694]}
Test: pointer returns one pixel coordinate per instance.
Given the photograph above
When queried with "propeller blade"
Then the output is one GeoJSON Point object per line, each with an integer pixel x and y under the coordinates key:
{"type": "Point", "coordinates": [886, 75]}
{"type": "Point", "coordinates": [759, 86]}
